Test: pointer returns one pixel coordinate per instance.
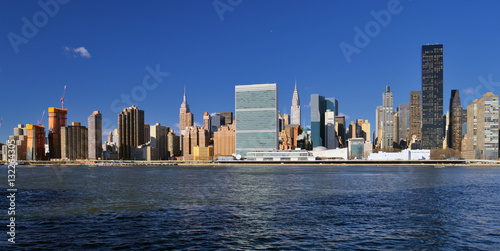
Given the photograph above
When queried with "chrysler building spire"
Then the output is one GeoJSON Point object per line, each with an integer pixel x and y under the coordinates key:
{"type": "Point", "coordinates": [295, 111]}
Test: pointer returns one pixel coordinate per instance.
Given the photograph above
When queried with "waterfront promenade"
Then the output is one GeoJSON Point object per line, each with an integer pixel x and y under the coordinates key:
{"type": "Point", "coordinates": [435, 163]}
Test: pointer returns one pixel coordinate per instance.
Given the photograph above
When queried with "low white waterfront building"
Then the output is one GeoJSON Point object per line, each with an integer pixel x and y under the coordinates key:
{"type": "Point", "coordinates": [323, 153]}
{"type": "Point", "coordinates": [406, 154]}
{"type": "Point", "coordinates": [283, 155]}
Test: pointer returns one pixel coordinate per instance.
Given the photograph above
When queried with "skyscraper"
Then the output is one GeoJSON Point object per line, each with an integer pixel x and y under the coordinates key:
{"type": "Point", "coordinates": [36, 142]}
{"type": "Point", "coordinates": [395, 128]}
{"type": "Point", "coordinates": [95, 135]}
{"type": "Point", "coordinates": [173, 148]}
{"type": "Point", "coordinates": [185, 117]}
{"type": "Point", "coordinates": [224, 140]}
{"type": "Point", "coordinates": [295, 110]}
{"type": "Point", "coordinates": [340, 129]}
{"type": "Point", "coordinates": [415, 116]}
{"type": "Point", "coordinates": [387, 118]}
{"type": "Point", "coordinates": [130, 131]}
{"type": "Point", "coordinates": [482, 128]}
{"type": "Point", "coordinates": [206, 121]}
{"type": "Point", "coordinates": [455, 126]}
{"type": "Point", "coordinates": [74, 141]}
{"type": "Point", "coordinates": [378, 126]}
{"type": "Point", "coordinates": [331, 141]}
{"type": "Point", "coordinates": [432, 96]}
{"type": "Point", "coordinates": [281, 122]}
{"type": "Point", "coordinates": [159, 140]}
{"type": "Point", "coordinates": [286, 119]}
{"type": "Point", "coordinates": [57, 119]}
{"type": "Point", "coordinates": [363, 129]}
{"type": "Point", "coordinates": [147, 133]}
{"type": "Point", "coordinates": [319, 105]}
{"type": "Point", "coordinates": [404, 122]}
{"type": "Point", "coordinates": [195, 136]}
{"type": "Point", "coordinates": [256, 120]}
{"type": "Point", "coordinates": [116, 137]}
{"type": "Point", "coordinates": [216, 121]}
{"type": "Point", "coordinates": [228, 117]}
{"type": "Point", "coordinates": [185, 120]}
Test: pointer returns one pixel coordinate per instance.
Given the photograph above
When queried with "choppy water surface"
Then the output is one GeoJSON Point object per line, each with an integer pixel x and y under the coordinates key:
{"type": "Point", "coordinates": [245, 207]}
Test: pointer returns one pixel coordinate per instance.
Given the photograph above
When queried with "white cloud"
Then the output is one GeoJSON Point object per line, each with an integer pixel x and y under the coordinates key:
{"type": "Point", "coordinates": [78, 52]}
{"type": "Point", "coordinates": [347, 117]}
{"type": "Point", "coordinates": [469, 91]}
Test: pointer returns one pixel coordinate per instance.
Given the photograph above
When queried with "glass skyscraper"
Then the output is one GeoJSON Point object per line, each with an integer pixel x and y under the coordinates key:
{"type": "Point", "coordinates": [319, 105]}
{"type": "Point", "coordinates": [432, 96]}
{"type": "Point", "coordinates": [256, 119]}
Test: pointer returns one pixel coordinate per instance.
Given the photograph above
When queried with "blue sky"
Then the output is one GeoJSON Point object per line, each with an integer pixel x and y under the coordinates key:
{"type": "Point", "coordinates": [103, 50]}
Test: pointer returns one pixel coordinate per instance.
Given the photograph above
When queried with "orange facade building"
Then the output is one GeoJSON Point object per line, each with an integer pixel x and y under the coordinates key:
{"type": "Point", "coordinates": [289, 137]}
{"type": "Point", "coordinates": [57, 119]}
{"type": "Point", "coordinates": [224, 141]}
{"type": "Point", "coordinates": [194, 136]}
{"type": "Point", "coordinates": [36, 142]}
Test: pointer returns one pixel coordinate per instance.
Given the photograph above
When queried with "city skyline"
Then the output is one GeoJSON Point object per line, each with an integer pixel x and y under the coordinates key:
{"type": "Point", "coordinates": [81, 60]}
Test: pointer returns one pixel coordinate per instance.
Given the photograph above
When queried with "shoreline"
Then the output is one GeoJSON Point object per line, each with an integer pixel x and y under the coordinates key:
{"type": "Point", "coordinates": [383, 163]}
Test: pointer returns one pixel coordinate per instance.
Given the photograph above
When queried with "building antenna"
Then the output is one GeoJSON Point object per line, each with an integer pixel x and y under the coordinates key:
{"type": "Point", "coordinates": [62, 97]}
{"type": "Point", "coordinates": [184, 99]}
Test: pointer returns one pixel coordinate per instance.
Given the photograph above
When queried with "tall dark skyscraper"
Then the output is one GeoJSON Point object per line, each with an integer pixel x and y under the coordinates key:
{"type": "Point", "coordinates": [455, 126]}
{"type": "Point", "coordinates": [432, 96]}
{"type": "Point", "coordinates": [130, 130]}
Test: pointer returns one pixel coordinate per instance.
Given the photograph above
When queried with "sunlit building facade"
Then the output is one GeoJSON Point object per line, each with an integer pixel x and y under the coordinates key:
{"type": "Point", "coordinates": [256, 119]}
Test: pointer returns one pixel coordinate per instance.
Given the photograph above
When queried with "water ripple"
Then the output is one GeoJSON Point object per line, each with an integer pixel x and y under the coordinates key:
{"type": "Point", "coordinates": [299, 208]}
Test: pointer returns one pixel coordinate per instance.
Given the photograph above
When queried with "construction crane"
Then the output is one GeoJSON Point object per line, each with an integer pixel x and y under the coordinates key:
{"type": "Point", "coordinates": [62, 97]}
{"type": "Point", "coordinates": [39, 122]}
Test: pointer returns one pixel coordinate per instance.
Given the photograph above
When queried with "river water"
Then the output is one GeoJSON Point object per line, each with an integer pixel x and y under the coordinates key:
{"type": "Point", "coordinates": [255, 207]}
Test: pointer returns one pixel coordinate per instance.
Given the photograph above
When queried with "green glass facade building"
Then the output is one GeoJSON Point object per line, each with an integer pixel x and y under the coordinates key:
{"type": "Point", "coordinates": [256, 119]}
